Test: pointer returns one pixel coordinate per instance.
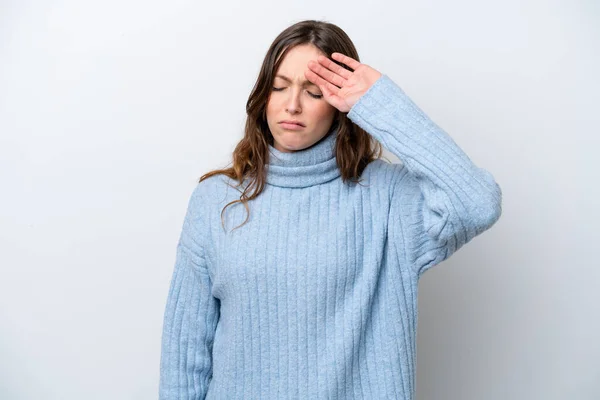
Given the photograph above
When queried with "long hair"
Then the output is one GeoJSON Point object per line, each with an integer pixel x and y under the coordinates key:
{"type": "Point", "coordinates": [354, 147]}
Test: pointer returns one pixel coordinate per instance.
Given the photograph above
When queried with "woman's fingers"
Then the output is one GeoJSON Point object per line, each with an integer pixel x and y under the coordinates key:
{"type": "Point", "coordinates": [349, 61]}
{"type": "Point", "coordinates": [319, 81]}
{"type": "Point", "coordinates": [332, 72]}
{"type": "Point", "coordinates": [339, 70]}
{"type": "Point", "coordinates": [325, 73]}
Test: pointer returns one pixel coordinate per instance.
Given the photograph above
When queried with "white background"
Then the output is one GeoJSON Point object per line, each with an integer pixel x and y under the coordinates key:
{"type": "Point", "coordinates": [111, 110]}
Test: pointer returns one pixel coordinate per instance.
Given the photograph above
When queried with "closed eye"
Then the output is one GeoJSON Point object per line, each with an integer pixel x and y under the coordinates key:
{"type": "Point", "coordinates": [316, 96]}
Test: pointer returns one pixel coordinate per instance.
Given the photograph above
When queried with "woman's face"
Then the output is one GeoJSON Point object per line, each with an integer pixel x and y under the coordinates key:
{"type": "Point", "coordinates": [300, 100]}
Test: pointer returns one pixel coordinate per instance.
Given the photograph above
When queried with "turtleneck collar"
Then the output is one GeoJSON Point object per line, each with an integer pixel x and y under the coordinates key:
{"type": "Point", "coordinates": [311, 166]}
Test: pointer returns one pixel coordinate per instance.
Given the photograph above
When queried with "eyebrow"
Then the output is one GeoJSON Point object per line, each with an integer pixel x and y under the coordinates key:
{"type": "Point", "coordinates": [305, 82]}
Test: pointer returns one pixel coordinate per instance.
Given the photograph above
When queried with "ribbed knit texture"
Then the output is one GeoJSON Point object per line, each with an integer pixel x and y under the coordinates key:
{"type": "Point", "coordinates": [315, 297]}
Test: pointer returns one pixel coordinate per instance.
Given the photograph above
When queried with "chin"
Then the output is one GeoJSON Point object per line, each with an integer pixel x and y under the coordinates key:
{"type": "Point", "coordinates": [291, 143]}
{"type": "Point", "coordinates": [292, 147]}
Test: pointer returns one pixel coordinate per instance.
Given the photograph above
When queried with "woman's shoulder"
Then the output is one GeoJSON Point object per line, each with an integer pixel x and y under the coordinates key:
{"type": "Point", "coordinates": [384, 171]}
{"type": "Point", "coordinates": [216, 188]}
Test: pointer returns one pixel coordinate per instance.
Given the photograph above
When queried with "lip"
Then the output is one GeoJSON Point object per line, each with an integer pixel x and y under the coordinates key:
{"type": "Point", "coordinates": [291, 127]}
{"type": "Point", "coordinates": [289, 121]}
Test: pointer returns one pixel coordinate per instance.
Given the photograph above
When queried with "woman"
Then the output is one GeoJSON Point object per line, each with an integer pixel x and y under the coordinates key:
{"type": "Point", "coordinates": [313, 294]}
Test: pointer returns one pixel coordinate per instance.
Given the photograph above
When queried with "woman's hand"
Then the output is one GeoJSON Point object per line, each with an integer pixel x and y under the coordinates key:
{"type": "Point", "coordinates": [341, 88]}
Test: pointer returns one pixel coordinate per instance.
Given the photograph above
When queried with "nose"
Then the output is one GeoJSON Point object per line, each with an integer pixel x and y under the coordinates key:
{"type": "Point", "coordinates": [293, 103]}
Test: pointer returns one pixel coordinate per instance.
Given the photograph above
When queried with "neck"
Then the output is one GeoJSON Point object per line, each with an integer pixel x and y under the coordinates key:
{"type": "Point", "coordinates": [308, 167]}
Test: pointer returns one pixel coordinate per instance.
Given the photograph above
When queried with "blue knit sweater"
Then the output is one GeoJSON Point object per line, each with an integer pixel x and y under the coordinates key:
{"type": "Point", "coordinates": [315, 297]}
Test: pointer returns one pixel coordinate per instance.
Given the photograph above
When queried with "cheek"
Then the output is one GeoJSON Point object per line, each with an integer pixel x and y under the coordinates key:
{"type": "Point", "coordinates": [324, 111]}
{"type": "Point", "coordinates": [273, 105]}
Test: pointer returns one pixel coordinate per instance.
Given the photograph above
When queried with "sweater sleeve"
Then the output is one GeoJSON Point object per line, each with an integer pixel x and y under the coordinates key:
{"type": "Point", "coordinates": [440, 199]}
{"type": "Point", "coordinates": [191, 315]}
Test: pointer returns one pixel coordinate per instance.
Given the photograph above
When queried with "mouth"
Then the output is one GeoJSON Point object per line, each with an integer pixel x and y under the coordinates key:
{"type": "Point", "coordinates": [291, 126]}
{"type": "Point", "coordinates": [290, 122]}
